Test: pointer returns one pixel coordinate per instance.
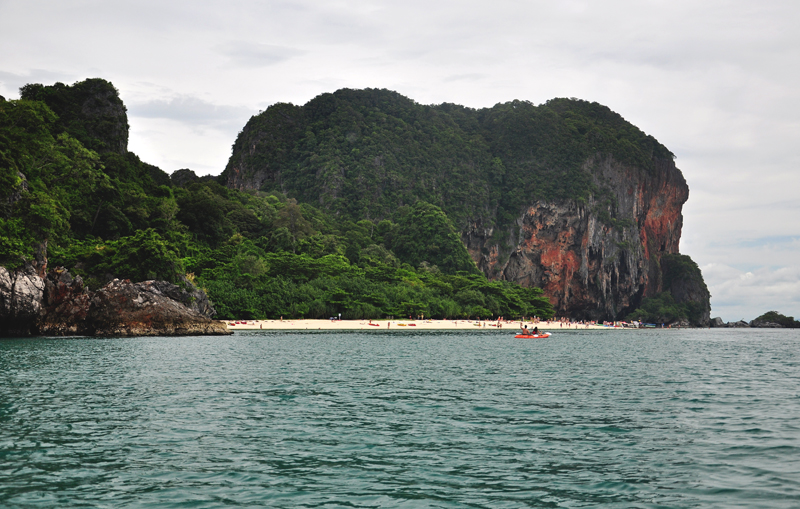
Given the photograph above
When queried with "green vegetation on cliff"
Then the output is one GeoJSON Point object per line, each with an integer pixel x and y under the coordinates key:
{"type": "Point", "coordinates": [368, 154]}
{"type": "Point", "coordinates": [365, 153]}
{"type": "Point", "coordinates": [90, 110]}
{"type": "Point", "coordinates": [661, 308]}
{"type": "Point", "coordinates": [685, 295]}
{"type": "Point", "coordinates": [44, 177]}
{"type": "Point", "coordinates": [70, 185]}
{"type": "Point", "coordinates": [354, 203]}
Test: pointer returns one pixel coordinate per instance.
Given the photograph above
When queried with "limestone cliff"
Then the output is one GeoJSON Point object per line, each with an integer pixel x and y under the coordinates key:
{"type": "Point", "coordinates": [566, 195]}
{"type": "Point", "coordinates": [90, 110]}
{"type": "Point", "coordinates": [594, 260]}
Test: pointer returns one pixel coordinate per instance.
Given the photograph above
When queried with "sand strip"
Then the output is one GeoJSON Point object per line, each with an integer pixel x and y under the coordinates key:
{"type": "Point", "coordinates": [397, 325]}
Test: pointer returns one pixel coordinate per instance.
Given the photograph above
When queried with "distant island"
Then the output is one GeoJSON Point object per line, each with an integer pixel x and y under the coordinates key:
{"type": "Point", "coordinates": [769, 320]}
{"type": "Point", "coordinates": [362, 203]}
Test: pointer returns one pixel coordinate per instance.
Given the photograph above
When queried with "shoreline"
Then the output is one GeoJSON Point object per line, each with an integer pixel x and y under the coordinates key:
{"type": "Point", "coordinates": [383, 325]}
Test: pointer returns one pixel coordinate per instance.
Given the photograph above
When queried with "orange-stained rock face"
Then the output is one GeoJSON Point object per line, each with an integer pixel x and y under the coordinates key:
{"type": "Point", "coordinates": [587, 267]}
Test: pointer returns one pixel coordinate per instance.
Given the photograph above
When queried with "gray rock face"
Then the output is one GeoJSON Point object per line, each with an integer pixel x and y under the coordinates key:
{"type": "Point", "coordinates": [765, 325]}
{"type": "Point", "coordinates": [21, 293]}
{"type": "Point", "coordinates": [7, 201]}
{"type": "Point", "coordinates": [195, 299]}
{"type": "Point", "coordinates": [717, 322]}
{"type": "Point", "coordinates": [122, 308]}
{"type": "Point", "coordinates": [105, 117]}
{"type": "Point", "coordinates": [593, 260]}
{"type": "Point", "coordinates": [59, 305]}
{"type": "Point", "coordinates": [66, 305]}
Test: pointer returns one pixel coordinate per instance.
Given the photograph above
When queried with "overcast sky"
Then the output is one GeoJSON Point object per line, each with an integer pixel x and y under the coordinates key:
{"type": "Point", "coordinates": [717, 82]}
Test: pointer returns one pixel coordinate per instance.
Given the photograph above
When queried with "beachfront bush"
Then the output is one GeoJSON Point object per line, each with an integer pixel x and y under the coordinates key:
{"type": "Point", "coordinates": [661, 308]}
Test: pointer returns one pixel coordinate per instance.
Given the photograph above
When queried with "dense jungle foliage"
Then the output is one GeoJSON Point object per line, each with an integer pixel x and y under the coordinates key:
{"type": "Point", "coordinates": [68, 181]}
{"type": "Point", "coordinates": [365, 153]}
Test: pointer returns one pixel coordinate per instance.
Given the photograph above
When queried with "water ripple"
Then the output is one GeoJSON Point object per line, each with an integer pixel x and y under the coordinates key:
{"type": "Point", "coordinates": [618, 419]}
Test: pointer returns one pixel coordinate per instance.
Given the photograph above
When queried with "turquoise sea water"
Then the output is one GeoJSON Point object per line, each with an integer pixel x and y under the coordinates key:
{"type": "Point", "coordinates": [693, 418]}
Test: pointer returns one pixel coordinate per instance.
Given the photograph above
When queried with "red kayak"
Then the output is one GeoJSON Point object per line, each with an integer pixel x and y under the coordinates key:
{"type": "Point", "coordinates": [533, 336]}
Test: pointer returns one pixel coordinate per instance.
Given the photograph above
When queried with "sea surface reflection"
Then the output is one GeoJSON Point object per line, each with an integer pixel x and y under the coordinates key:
{"type": "Point", "coordinates": [706, 418]}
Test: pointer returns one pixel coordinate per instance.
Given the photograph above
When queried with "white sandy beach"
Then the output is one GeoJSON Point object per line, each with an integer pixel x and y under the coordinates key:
{"type": "Point", "coordinates": [287, 324]}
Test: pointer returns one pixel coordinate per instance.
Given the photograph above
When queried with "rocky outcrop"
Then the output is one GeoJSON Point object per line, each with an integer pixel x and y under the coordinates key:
{"type": "Point", "coordinates": [188, 295]}
{"type": "Point", "coordinates": [763, 324]}
{"type": "Point", "coordinates": [122, 308]}
{"type": "Point", "coordinates": [693, 292]}
{"type": "Point", "coordinates": [183, 176]}
{"type": "Point", "coordinates": [595, 259]}
{"type": "Point", "coordinates": [60, 305]}
{"type": "Point", "coordinates": [91, 110]}
{"type": "Point", "coordinates": [8, 201]}
{"type": "Point", "coordinates": [775, 320]}
{"type": "Point", "coordinates": [65, 305]}
{"type": "Point", "coordinates": [717, 322]}
{"type": "Point", "coordinates": [21, 293]}
{"type": "Point", "coordinates": [760, 324]}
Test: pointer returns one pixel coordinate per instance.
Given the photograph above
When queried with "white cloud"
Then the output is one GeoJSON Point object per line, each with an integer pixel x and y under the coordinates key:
{"type": "Point", "coordinates": [249, 54]}
{"type": "Point", "coordinates": [746, 295]}
{"type": "Point", "coordinates": [715, 81]}
{"type": "Point", "coordinates": [179, 144]}
{"type": "Point", "coordinates": [10, 82]}
{"type": "Point", "coordinates": [192, 111]}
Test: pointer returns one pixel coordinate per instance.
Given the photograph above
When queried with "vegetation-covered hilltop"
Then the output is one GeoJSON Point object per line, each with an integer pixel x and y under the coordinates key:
{"type": "Point", "coordinates": [775, 318]}
{"type": "Point", "coordinates": [566, 195]}
{"type": "Point", "coordinates": [72, 192]}
{"type": "Point", "coordinates": [364, 153]}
